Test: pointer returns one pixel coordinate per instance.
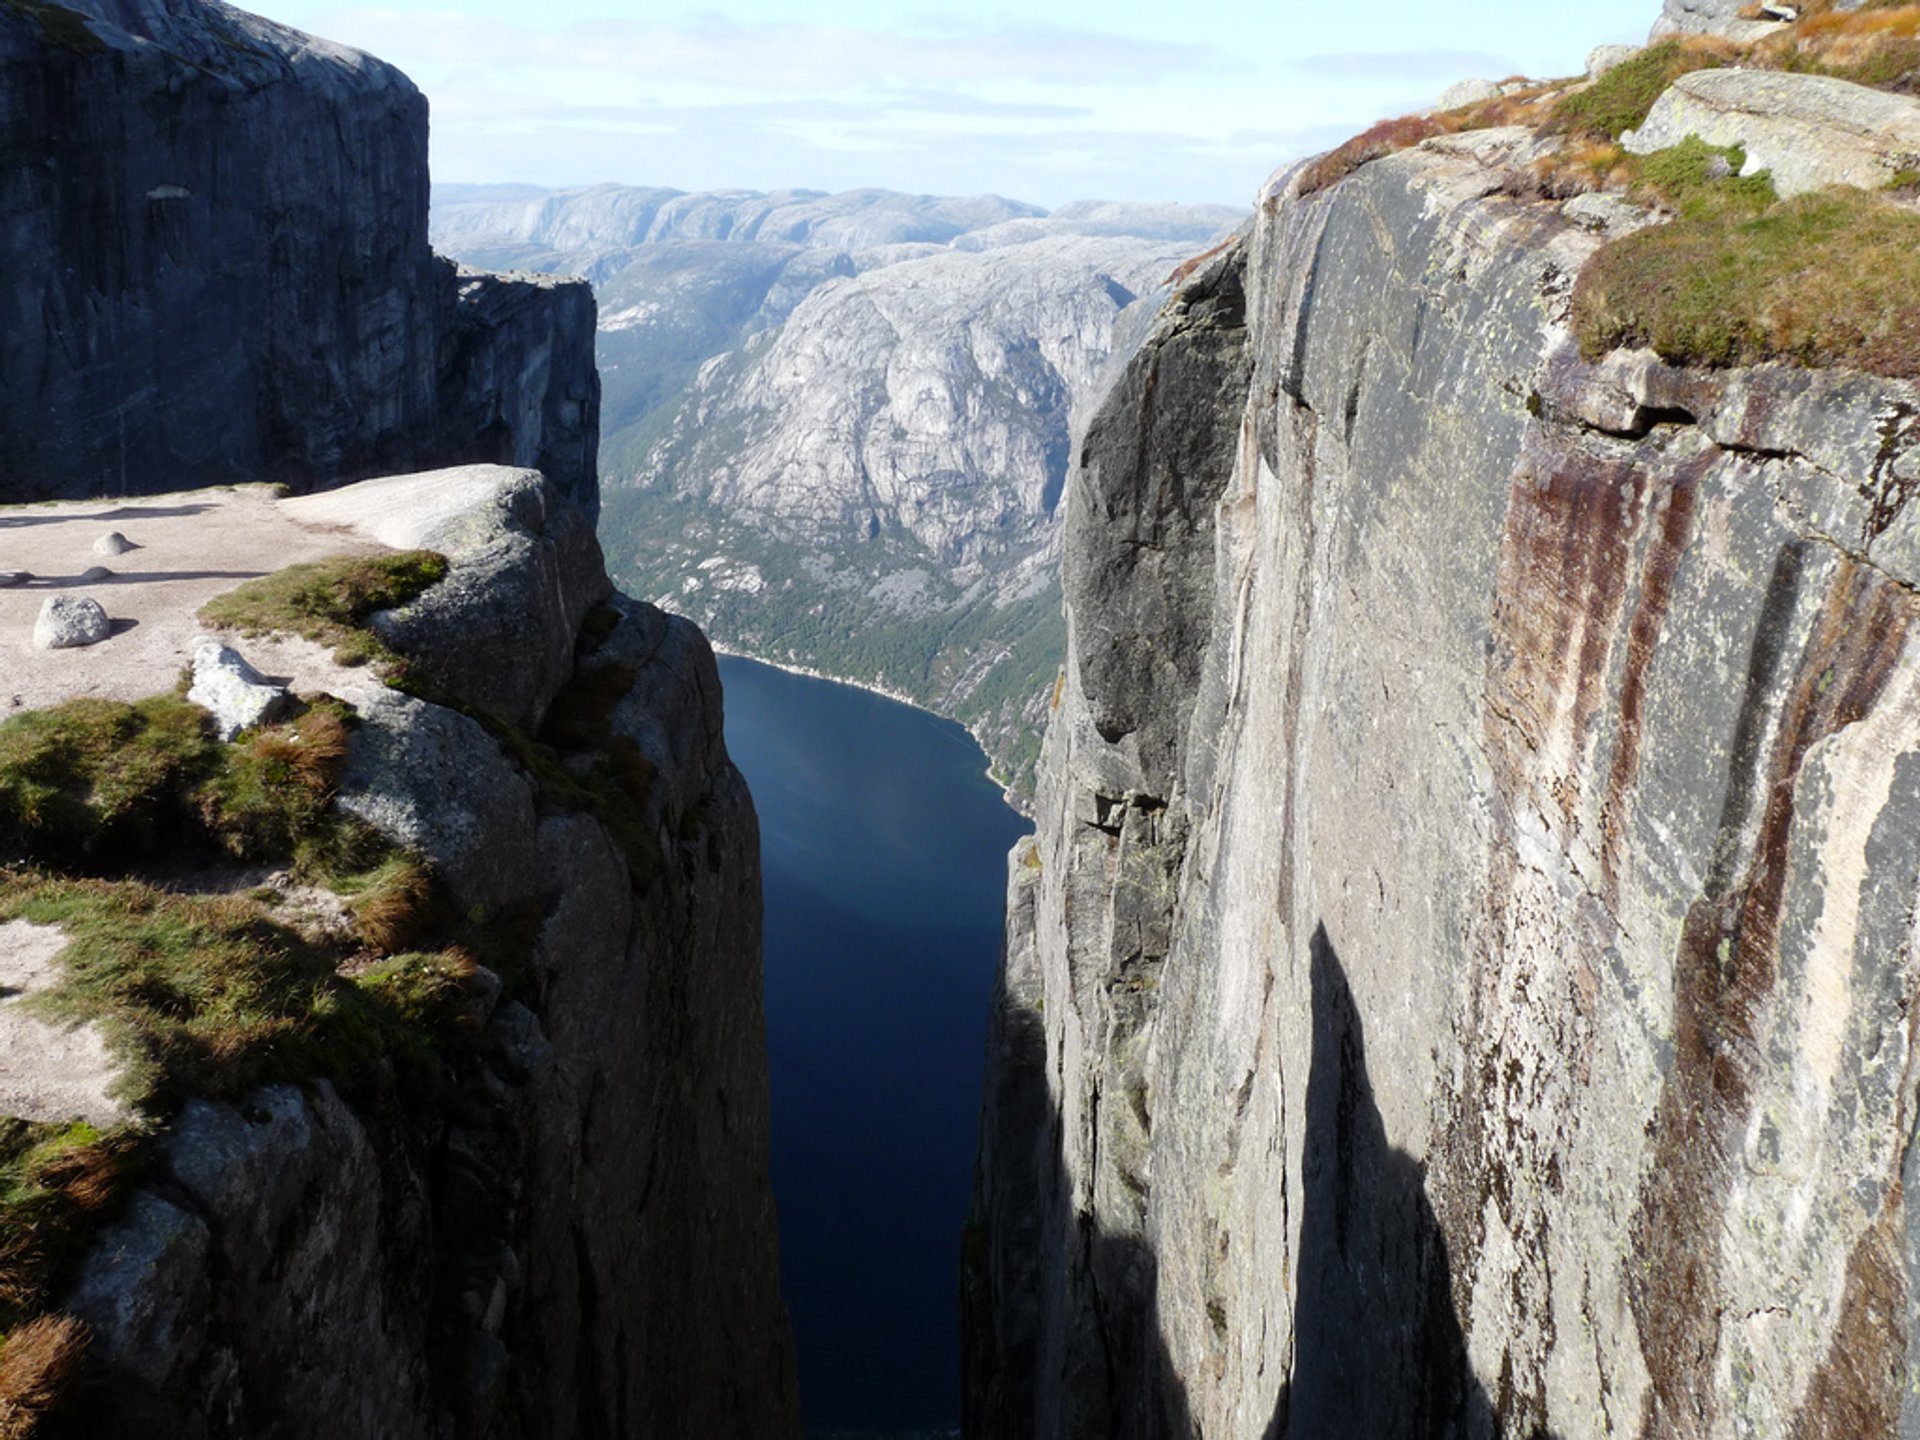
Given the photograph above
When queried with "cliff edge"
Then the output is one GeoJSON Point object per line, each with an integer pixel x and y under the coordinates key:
{"type": "Point", "coordinates": [1463, 982]}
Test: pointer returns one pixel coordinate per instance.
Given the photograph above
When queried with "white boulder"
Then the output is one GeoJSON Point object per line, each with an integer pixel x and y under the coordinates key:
{"type": "Point", "coordinates": [238, 696]}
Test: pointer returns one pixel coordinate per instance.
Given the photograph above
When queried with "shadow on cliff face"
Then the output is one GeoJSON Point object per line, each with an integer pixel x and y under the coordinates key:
{"type": "Point", "coordinates": [1378, 1348]}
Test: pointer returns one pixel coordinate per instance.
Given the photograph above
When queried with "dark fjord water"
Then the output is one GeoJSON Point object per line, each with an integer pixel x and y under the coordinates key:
{"type": "Point", "coordinates": [884, 850]}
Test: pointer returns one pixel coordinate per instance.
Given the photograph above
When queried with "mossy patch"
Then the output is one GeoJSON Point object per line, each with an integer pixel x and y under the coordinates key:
{"type": "Point", "coordinates": [94, 780]}
{"type": "Point", "coordinates": [1830, 278]}
{"type": "Point", "coordinates": [1619, 100]}
{"type": "Point", "coordinates": [207, 996]}
{"type": "Point", "coordinates": [329, 602]}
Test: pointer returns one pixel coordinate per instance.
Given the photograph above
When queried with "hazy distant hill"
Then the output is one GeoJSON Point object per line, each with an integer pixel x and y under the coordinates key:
{"type": "Point", "coordinates": [835, 427]}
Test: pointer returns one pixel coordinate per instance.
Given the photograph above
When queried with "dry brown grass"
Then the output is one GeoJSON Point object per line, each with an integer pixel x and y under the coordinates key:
{"type": "Point", "coordinates": [38, 1365]}
{"type": "Point", "coordinates": [1186, 269]}
{"type": "Point", "coordinates": [1530, 106]}
{"type": "Point", "coordinates": [393, 912]}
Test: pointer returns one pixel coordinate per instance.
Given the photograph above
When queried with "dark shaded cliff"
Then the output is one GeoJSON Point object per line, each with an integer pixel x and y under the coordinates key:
{"type": "Point", "coordinates": [436, 1089]}
{"type": "Point", "coordinates": [214, 233]}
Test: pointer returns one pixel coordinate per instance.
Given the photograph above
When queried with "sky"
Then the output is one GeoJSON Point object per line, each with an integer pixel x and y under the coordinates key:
{"type": "Point", "coordinates": [1107, 99]}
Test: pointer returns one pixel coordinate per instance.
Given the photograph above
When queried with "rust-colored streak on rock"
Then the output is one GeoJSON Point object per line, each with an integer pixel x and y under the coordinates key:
{"type": "Point", "coordinates": [1643, 635]}
{"type": "Point", "coordinates": [1564, 577]}
{"type": "Point", "coordinates": [1859, 1387]}
{"type": "Point", "coordinates": [1725, 970]}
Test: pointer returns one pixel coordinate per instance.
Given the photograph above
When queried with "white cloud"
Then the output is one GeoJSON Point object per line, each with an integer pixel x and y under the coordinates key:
{"type": "Point", "coordinates": [715, 50]}
{"type": "Point", "coordinates": [1437, 66]}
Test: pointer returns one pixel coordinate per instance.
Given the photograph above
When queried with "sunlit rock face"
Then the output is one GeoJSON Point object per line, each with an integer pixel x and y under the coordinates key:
{"type": "Point", "coordinates": [218, 270]}
{"type": "Point", "coordinates": [1463, 981]}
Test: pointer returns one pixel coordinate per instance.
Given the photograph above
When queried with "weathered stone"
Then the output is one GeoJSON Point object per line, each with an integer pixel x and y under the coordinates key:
{"type": "Point", "coordinates": [1603, 58]}
{"type": "Point", "coordinates": [238, 696]}
{"type": "Point", "coordinates": [1608, 214]}
{"type": "Point", "coordinates": [432, 780]}
{"type": "Point", "coordinates": [1808, 131]}
{"type": "Point", "coordinates": [1466, 92]}
{"type": "Point", "coordinates": [1721, 17]}
{"type": "Point", "coordinates": [113, 543]}
{"type": "Point", "coordinates": [525, 570]}
{"type": "Point", "coordinates": [69, 621]}
{"type": "Point", "coordinates": [143, 1289]}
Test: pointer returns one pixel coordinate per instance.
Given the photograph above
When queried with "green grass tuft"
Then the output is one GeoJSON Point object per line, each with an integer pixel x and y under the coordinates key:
{"type": "Point", "coordinates": [1698, 181]}
{"type": "Point", "coordinates": [1620, 99]}
{"type": "Point", "coordinates": [328, 601]}
{"type": "Point", "coordinates": [92, 780]}
{"type": "Point", "coordinates": [1825, 279]}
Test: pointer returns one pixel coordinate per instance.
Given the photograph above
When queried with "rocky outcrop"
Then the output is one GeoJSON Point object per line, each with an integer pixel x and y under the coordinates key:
{"type": "Point", "coordinates": [584, 1243]}
{"type": "Point", "coordinates": [1807, 131]}
{"type": "Point", "coordinates": [1464, 981]}
{"type": "Point", "coordinates": [218, 270]}
{"type": "Point", "coordinates": [1736, 19]}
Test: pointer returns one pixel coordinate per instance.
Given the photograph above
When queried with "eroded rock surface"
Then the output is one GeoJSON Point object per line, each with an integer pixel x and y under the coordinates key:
{"type": "Point", "coordinates": [1463, 984]}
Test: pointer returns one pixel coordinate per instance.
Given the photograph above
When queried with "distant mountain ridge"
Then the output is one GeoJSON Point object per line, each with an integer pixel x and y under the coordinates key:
{"type": "Point", "coordinates": [836, 426]}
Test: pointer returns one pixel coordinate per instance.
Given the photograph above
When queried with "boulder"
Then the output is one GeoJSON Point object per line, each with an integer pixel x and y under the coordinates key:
{"type": "Point", "coordinates": [499, 630]}
{"type": "Point", "coordinates": [1466, 92]}
{"type": "Point", "coordinates": [113, 543]}
{"type": "Point", "coordinates": [238, 696]}
{"type": "Point", "coordinates": [143, 1288]}
{"type": "Point", "coordinates": [435, 782]}
{"type": "Point", "coordinates": [1809, 130]}
{"type": "Point", "coordinates": [69, 621]}
{"type": "Point", "coordinates": [1719, 17]}
{"type": "Point", "coordinates": [1603, 58]}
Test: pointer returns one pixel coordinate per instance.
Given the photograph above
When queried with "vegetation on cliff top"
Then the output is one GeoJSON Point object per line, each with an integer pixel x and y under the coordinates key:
{"type": "Point", "coordinates": [329, 601]}
{"type": "Point", "coordinates": [1828, 278]}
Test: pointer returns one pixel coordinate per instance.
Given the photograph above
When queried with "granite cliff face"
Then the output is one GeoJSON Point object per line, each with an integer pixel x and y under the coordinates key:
{"type": "Point", "coordinates": [1464, 980]}
{"type": "Point", "coordinates": [584, 1243]}
{"type": "Point", "coordinates": [506, 1173]}
{"type": "Point", "coordinates": [838, 425]}
{"type": "Point", "coordinates": [218, 270]}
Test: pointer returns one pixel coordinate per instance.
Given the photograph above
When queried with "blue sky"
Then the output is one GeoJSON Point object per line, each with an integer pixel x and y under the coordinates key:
{"type": "Point", "coordinates": [1194, 102]}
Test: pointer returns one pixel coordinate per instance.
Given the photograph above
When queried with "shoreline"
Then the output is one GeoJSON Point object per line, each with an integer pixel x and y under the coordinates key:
{"type": "Point", "coordinates": [872, 688]}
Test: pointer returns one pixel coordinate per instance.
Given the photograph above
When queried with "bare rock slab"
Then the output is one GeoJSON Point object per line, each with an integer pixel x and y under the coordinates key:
{"type": "Point", "coordinates": [49, 1073]}
{"type": "Point", "coordinates": [69, 621]}
{"type": "Point", "coordinates": [1809, 130]}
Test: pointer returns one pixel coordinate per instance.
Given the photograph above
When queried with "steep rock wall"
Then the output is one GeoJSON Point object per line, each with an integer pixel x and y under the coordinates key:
{"type": "Point", "coordinates": [585, 1243]}
{"type": "Point", "coordinates": [1464, 981]}
{"type": "Point", "coordinates": [215, 244]}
